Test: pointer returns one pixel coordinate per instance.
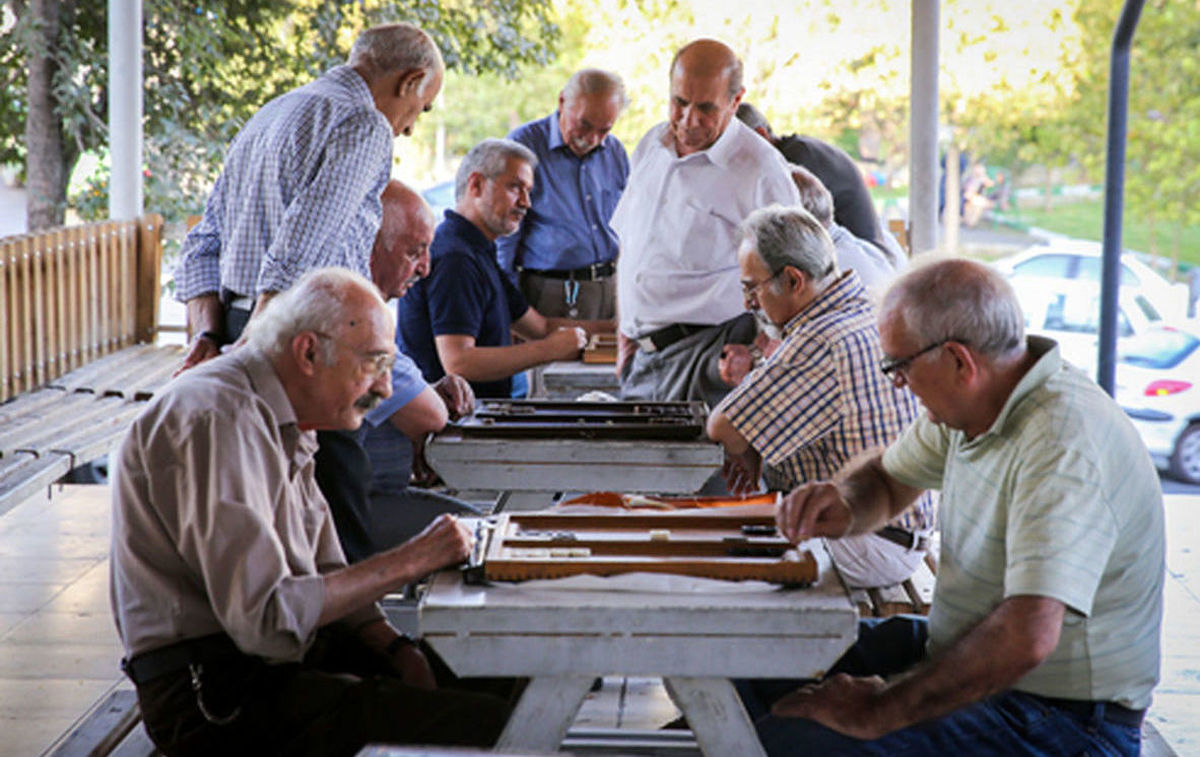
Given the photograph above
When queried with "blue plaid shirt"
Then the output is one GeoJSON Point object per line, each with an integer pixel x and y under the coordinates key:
{"type": "Point", "coordinates": [300, 190]}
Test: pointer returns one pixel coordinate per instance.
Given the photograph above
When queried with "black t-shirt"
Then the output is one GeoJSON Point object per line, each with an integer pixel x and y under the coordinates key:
{"type": "Point", "coordinates": [852, 204]}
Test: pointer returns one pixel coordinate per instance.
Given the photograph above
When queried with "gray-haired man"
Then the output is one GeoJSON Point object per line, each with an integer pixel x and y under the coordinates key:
{"type": "Point", "coordinates": [459, 319]}
{"type": "Point", "coordinates": [565, 251]}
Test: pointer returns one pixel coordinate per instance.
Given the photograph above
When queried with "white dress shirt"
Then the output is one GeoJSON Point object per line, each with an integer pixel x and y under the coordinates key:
{"type": "Point", "coordinates": [868, 261]}
{"type": "Point", "coordinates": [677, 222]}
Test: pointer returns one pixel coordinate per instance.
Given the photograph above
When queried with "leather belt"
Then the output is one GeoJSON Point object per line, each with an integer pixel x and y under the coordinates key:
{"type": "Point", "coordinates": [587, 273]}
{"type": "Point", "coordinates": [231, 299]}
{"type": "Point", "coordinates": [906, 539]}
{"type": "Point", "coordinates": [1084, 709]}
{"type": "Point", "coordinates": [175, 657]}
{"type": "Point", "coordinates": [668, 335]}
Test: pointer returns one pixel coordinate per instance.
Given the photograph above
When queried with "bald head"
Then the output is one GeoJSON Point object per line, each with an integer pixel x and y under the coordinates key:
{"type": "Point", "coordinates": [400, 256]}
{"type": "Point", "coordinates": [706, 88]}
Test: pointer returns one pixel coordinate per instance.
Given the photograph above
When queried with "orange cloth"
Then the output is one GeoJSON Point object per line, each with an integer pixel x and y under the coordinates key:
{"type": "Point", "coordinates": [642, 502]}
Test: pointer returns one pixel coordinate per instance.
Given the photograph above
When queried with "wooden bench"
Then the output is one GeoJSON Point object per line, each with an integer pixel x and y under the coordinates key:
{"type": "Point", "coordinates": [912, 596]}
{"type": "Point", "coordinates": [76, 418]}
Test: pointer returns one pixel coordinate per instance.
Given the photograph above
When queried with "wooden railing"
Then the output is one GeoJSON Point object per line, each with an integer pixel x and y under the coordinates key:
{"type": "Point", "coordinates": [70, 295]}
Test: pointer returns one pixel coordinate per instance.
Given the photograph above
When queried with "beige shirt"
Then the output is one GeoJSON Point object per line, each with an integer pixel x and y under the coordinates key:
{"type": "Point", "coordinates": [218, 524]}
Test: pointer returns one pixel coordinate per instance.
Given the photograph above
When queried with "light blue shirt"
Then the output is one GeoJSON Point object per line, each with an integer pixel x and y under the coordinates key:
{"type": "Point", "coordinates": [407, 383]}
{"type": "Point", "coordinates": [300, 190]}
{"type": "Point", "coordinates": [572, 201]}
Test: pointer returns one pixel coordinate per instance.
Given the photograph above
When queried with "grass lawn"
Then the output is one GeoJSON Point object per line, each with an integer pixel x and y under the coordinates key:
{"type": "Point", "coordinates": [1085, 219]}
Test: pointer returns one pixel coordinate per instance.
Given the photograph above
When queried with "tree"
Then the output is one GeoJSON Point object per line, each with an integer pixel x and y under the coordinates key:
{"type": "Point", "coordinates": [208, 66]}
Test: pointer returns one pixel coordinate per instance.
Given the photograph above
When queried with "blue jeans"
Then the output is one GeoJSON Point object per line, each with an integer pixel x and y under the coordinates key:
{"type": "Point", "coordinates": [1010, 723]}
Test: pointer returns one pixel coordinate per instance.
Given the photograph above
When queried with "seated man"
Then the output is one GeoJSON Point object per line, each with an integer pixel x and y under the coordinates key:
{"type": "Point", "coordinates": [816, 402]}
{"type": "Point", "coordinates": [1044, 632]}
{"type": "Point", "coordinates": [243, 628]}
{"type": "Point", "coordinates": [459, 319]}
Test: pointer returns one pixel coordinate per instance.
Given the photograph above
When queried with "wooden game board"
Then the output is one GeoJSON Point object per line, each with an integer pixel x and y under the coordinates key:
{"type": "Point", "coordinates": [523, 546]}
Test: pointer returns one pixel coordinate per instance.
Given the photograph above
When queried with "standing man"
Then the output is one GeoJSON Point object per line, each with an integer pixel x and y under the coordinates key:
{"type": "Point", "coordinates": [693, 179]}
{"type": "Point", "coordinates": [817, 402]}
{"type": "Point", "coordinates": [565, 252]}
{"type": "Point", "coordinates": [852, 204]}
{"type": "Point", "coordinates": [302, 182]}
{"type": "Point", "coordinates": [1043, 637]}
{"type": "Point", "coordinates": [461, 317]}
{"type": "Point", "coordinates": [243, 629]}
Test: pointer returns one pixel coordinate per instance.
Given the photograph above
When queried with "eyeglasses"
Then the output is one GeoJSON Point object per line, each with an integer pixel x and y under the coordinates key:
{"type": "Point", "coordinates": [380, 362]}
{"type": "Point", "coordinates": [749, 292]}
{"type": "Point", "coordinates": [895, 368]}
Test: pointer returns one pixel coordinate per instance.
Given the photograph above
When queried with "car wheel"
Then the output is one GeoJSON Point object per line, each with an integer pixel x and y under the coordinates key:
{"type": "Point", "coordinates": [1185, 460]}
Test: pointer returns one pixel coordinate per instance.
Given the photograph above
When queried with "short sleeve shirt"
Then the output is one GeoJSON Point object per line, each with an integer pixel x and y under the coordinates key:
{"type": "Point", "coordinates": [465, 293]}
{"type": "Point", "coordinates": [1057, 499]}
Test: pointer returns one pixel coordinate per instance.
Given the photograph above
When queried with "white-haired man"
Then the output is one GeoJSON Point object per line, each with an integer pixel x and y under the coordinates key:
{"type": "Point", "coordinates": [565, 252]}
{"type": "Point", "coordinates": [302, 181]}
{"type": "Point", "coordinates": [1043, 636]}
{"type": "Point", "coordinates": [817, 402]}
{"type": "Point", "coordinates": [460, 319]}
{"type": "Point", "coordinates": [244, 630]}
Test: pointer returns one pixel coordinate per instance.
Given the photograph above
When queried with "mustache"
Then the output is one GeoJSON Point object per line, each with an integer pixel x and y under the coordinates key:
{"type": "Point", "coordinates": [368, 401]}
{"type": "Point", "coordinates": [765, 325]}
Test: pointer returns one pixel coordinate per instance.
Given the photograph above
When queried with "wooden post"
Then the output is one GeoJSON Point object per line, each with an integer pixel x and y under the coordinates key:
{"type": "Point", "coordinates": [149, 276]}
{"type": "Point", "coordinates": [6, 319]}
{"type": "Point", "coordinates": [38, 324]}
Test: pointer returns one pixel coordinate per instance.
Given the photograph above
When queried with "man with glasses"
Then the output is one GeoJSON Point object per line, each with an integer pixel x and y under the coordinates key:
{"type": "Point", "coordinates": [818, 401]}
{"type": "Point", "coordinates": [1043, 637]}
{"type": "Point", "coordinates": [243, 628]}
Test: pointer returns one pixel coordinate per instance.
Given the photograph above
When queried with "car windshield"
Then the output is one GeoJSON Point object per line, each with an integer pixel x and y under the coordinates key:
{"type": "Point", "coordinates": [1159, 348]}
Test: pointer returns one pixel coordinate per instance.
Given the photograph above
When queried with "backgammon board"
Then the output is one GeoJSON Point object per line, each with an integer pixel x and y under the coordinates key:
{"type": "Point", "coordinates": [583, 420]}
{"type": "Point", "coordinates": [524, 546]}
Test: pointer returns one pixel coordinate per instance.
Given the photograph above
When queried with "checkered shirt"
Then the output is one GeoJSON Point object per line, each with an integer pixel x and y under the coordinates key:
{"type": "Point", "coordinates": [821, 399]}
{"type": "Point", "coordinates": [300, 190]}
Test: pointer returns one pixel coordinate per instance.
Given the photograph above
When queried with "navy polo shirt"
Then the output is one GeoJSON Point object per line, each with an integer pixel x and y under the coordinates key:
{"type": "Point", "coordinates": [466, 294]}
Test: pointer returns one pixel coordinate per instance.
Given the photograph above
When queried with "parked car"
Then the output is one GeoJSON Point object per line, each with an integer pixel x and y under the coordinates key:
{"type": "Point", "coordinates": [1158, 385]}
{"type": "Point", "coordinates": [1069, 313]}
{"type": "Point", "coordinates": [440, 198]}
{"type": "Point", "coordinates": [1078, 259]}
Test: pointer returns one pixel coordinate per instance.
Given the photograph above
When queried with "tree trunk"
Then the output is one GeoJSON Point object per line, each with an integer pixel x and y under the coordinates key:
{"type": "Point", "coordinates": [46, 166]}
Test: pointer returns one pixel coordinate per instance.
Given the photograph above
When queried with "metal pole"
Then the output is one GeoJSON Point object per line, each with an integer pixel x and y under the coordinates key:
{"type": "Point", "coordinates": [1114, 191]}
{"type": "Point", "coordinates": [923, 127]}
{"type": "Point", "coordinates": [125, 109]}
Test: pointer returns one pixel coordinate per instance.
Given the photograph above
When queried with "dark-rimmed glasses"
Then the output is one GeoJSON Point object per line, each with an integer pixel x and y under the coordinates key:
{"type": "Point", "coordinates": [752, 291]}
{"type": "Point", "coordinates": [893, 368]}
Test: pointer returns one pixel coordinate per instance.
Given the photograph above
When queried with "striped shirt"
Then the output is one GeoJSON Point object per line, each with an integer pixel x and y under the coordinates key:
{"type": "Point", "coordinates": [300, 190]}
{"type": "Point", "coordinates": [821, 399]}
{"type": "Point", "coordinates": [1057, 499]}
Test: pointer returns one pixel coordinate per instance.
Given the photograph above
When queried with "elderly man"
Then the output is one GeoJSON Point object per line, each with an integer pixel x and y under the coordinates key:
{"type": "Point", "coordinates": [1044, 632]}
{"type": "Point", "coordinates": [565, 251]}
{"type": "Point", "coordinates": [816, 402]}
{"type": "Point", "coordinates": [461, 317]}
{"type": "Point", "coordinates": [302, 181]}
{"type": "Point", "coordinates": [243, 628]}
{"type": "Point", "coordinates": [852, 204]}
{"type": "Point", "coordinates": [347, 469]}
{"type": "Point", "coordinates": [693, 179]}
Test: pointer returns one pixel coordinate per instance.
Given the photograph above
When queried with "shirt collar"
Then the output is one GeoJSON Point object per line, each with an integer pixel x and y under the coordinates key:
{"type": "Point", "coordinates": [844, 290]}
{"type": "Point", "coordinates": [1049, 362]}
{"type": "Point", "coordinates": [300, 445]}
{"type": "Point", "coordinates": [347, 77]}
{"type": "Point", "coordinates": [460, 226]}
{"type": "Point", "coordinates": [556, 138]}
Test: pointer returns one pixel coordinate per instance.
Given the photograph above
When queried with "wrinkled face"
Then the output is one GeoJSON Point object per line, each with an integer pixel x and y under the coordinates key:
{"type": "Point", "coordinates": [401, 258]}
{"type": "Point", "coordinates": [402, 111]}
{"type": "Point", "coordinates": [763, 290]}
{"type": "Point", "coordinates": [926, 374]}
{"type": "Point", "coordinates": [586, 120]}
{"type": "Point", "coordinates": [701, 108]}
{"type": "Point", "coordinates": [361, 373]}
{"type": "Point", "coordinates": [504, 199]}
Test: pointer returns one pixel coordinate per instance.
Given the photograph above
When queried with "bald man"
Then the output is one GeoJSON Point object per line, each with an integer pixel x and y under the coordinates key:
{"type": "Point", "coordinates": [692, 181]}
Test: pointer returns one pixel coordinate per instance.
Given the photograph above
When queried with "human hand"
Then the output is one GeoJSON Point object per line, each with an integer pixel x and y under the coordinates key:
{"type": "Point", "coordinates": [735, 362]}
{"type": "Point", "coordinates": [626, 347]}
{"type": "Point", "coordinates": [457, 394]}
{"type": "Point", "coordinates": [848, 705]}
{"type": "Point", "coordinates": [411, 665]}
{"type": "Point", "coordinates": [766, 344]}
{"type": "Point", "coordinates": [567, 342]}
{"type": "Point", "coordinates": [422, 474]}
{"type": "Point", "coordinates": [742, 472]}
{"type": "Point", "coordinates": [815, 509]}
{"type": "Point", "coordinates": [202, 349]}
{"type": "Point", "coordinates": [445, 541]}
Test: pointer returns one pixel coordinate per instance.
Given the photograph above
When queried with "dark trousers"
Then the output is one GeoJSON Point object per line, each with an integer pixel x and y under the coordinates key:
{"type": "Point", "coordinates": [343, 473]}
{"type": "Point", "coordinates": [339, 699]}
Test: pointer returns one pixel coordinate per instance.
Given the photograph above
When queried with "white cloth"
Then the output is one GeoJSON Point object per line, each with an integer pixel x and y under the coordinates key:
{"type": "Point", "coordinates": [867, 560]}
{"type": "Point", "coordinates": [677, 223]}
{"type": "Point", "coordinates": [868, 261]}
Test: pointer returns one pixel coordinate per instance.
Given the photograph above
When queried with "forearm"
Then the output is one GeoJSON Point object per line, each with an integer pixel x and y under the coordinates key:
{"type": "Point", "coordinates": [496, 363]}
{"type": "Point", "coordinates": [362, 583]}
{"type": "Point", "coordinates": [204, 313]}
{"type": "Point", "coordinates": [591, 327]}
{"type": "Point", "coordinates": [426, 412]}
{"type": "Point", "coordinates": [1012, 640]}
{"type": "Point", "coordinates": [874, 497]}
{"type": "Point", "coordinates": [721, 430]}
